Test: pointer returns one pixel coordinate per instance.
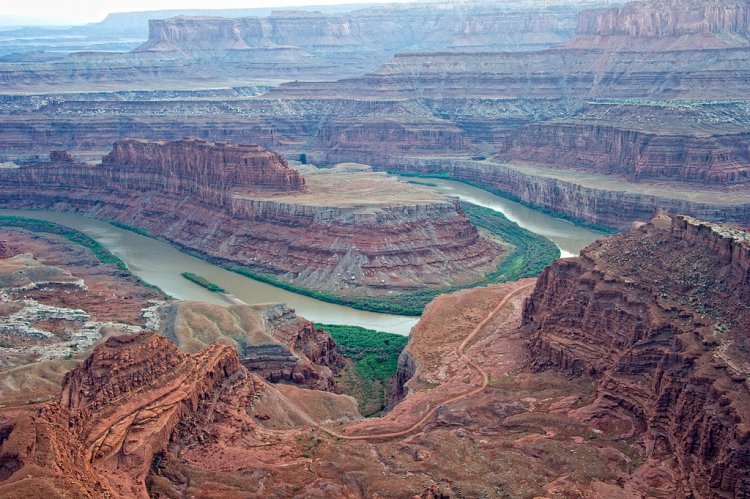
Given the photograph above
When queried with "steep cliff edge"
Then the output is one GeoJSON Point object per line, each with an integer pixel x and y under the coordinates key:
{"type": "Point", "coordinates": [354, 234]}
{"type": "Point", "coordinates": [679, 142]}
{"type": "Point", "coordinates": [377, 31]}
{"type": "Point", "coordinates": [123, 406]}
{"type": "Point", "coordinates": [661, 18]}
{"type": "Point", "coordinates": [658, 317]}
{"type": "Point", "coordinates": [208, 171]}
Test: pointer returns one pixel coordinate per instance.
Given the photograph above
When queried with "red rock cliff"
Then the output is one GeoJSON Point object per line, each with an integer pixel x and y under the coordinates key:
{"type": "Point", "coordinates": [116, 411]}
{"type": "Point", "coordinates": [173, 190]}
{"type": "Point", "coordinates": [637, 155]}
{"type": "Point", "coordinates": [667, 18]}
{"type": "Point", "coordinates": [209, 171]}
{"type": "Point", "coordinates": [658, 317]}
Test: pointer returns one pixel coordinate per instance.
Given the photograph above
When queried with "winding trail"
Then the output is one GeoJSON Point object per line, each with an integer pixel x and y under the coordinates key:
{"type": "Point", "coordinates": [460, 350]}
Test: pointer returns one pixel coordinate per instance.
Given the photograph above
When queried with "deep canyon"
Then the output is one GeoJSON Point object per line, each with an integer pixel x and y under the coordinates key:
{"type": "Point", "coordinates": [552, 199]}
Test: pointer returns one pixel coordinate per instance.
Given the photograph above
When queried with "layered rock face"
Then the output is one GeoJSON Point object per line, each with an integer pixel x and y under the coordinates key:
{"type": "Point", "coordinates": [121, 408]}
{"type": "Point", "coordinates": [719, 155]}
{"type": "Point", "coordinates": [271, 340]}
{"type": "Point", "coordinates": [455, 93]}
{"type": "Point", "coordinates": [510, 25]}
{"type": "Point", "coordinates": [321, 243]}
{"type": "Point", "coordinates": [658, 318]}
{"type": "Point", "coordinates": [663, 18]}
{"type": "Point", "coordinates": [287, 45]}
{"type": "Point", "coordinates": [209, 172]}
{"type": "Point", "coordinates": [599, 200]}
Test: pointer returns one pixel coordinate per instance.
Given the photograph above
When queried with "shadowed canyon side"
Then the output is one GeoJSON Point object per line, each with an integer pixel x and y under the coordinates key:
{"type": "Point", "coordinates": [498, 379]}
{"type": "Point", "coordinates": [362, 233]}
{"type": "Point", "coordinates": [659, 319]}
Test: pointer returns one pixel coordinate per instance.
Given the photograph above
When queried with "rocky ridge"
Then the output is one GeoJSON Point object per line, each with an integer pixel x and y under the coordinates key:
{"type": "Point", "coordinates": [118, 410]}
{"type": "Point", "coordinates": [658, 318]}
{"type": "Point", "coordinates": [267, 220]}
{"type": "Point", "coordinates": [497, 378]}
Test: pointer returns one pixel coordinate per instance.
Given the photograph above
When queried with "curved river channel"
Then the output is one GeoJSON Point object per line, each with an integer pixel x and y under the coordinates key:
{"type": "Point", "coordinates": [160, 264]}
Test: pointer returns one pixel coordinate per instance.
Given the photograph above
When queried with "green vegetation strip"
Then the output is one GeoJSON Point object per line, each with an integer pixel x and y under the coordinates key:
{"type": "Point", "coordinates": [100, 252]}
{"type": "Point", "coordinates": [130, 228]}
{"type": "Point", "coordinates": [531, 252]}
{"type": "Point", "coordinates": [201, 281]}
{"type": "Point", "coordinates": [445, 175]}
{"type": "Point", "coordinates": [375, 357]}
{"type": "Point", "coordinates": [529, 255]}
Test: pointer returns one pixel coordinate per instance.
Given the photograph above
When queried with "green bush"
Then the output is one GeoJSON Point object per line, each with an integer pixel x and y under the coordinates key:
{"type": "Point", "coordinates": [375, 357]}
{"type": "Point", "coordinates": [201, 281]}
{"type": "Point", "coordinates": [137, 230]}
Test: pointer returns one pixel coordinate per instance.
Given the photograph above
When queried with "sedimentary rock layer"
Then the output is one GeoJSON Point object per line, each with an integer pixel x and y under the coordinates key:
{"type": "Point", "coordinates": [285, 46]}
{"type": "Point", "coordinates": [718, 159]}
{"type": "Point", "coordinates": [679, 142]}
{"type": "Point", "coordinates": [120, 408]}
{"type": "Point", "coordinates": [663, 18]}
{"type": "Point", "coordinates": [658, 318]}
{"type": "Point", "coordinates": [377, 29]}
{"type": "Point", "coordinates": [322, 243]}
{"type": "Point", "coordinates": [615, 205]}
{"type": "Point", "coordinates": [271, 340]}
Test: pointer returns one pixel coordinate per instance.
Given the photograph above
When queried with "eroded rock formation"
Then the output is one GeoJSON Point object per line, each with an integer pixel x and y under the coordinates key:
{"type": "Point", "coordinates": [323, 240]}
{"type": "Point", "coordinates": [659, 318]}
{"type": "Point", "coordinates": [665, 18]}
{"type": "Point", "coordinates": [119, 409]}
{"type": "Point", "coordinates": [271, 340]}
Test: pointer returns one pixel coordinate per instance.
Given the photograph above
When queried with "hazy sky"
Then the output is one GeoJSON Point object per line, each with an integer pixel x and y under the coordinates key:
{"type": "Point", "coordinates": [82, 11]}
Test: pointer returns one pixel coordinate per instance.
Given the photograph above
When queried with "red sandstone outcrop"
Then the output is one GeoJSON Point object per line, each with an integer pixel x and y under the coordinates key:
{"type": "Point", "coordinates": [722, 158]}
{"type": "Point", "coordinates": [210, 172]}
{"type": "Point", "coordinates": [116, 411]}
{"type": "Point", "coordinates": [643, 142]}
{"type": "Point", "coordinates": [123, 406]}
{"type": "Point", "coordinates": [320, 244]}
{"type": "Point", "coordinates": [57, 300]}
{"type": "Point", "coordinates": [659, 318]}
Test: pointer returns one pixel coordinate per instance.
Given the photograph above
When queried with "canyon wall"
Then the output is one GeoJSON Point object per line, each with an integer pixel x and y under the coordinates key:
{"type": "Point", "coordinates": [663, 18]}
{"type": "Point", "coordinates": [320, 244]}
{"type": "Point", "coordinates": [613, 207]}
{"type": "Point", "coordinates": [658, 318]}
{"type": "Point", "coordinates": [721, 158]}
{"type": "Point", "coordinates": [375, 29]}
{"type": "Point", "coordinates": [209, 172]}
{"type": "Point", "coordinates": [454, 95]}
